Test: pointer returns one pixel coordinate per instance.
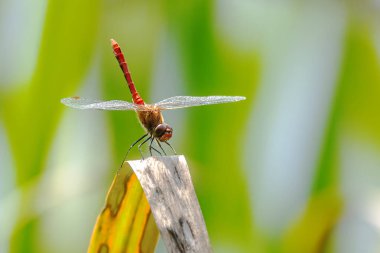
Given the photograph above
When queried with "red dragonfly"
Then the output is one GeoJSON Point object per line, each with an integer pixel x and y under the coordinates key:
{"type": "Point", "coordinates": [149, 114]}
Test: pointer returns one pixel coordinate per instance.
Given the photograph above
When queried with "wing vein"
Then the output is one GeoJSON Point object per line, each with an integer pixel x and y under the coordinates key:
{"type": "Point", "coordinates": [187, 101]}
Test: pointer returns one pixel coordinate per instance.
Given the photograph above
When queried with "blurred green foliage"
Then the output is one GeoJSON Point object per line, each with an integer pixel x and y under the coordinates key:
{"type": "Point", "coordinates": [31, 114]}
{"type": "Point", "coordinates": [75, 37]}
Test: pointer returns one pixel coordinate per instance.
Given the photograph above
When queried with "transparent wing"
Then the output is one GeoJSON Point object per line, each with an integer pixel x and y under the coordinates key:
{"type": "Point", "coordinates": [84, 103]}
{"type": "Point", "coordinates": [186, 101]}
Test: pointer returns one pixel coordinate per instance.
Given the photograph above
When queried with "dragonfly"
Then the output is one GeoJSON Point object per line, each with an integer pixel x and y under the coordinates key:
{"type": "Point", "coordinates": [149, 115]}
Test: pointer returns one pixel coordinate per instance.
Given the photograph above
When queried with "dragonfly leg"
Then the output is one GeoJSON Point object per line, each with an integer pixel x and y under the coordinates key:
{"type": "Point", "coordinates": [160, 146]}
{"type": "Point", "coordinates": [125, 157]}
{"type": "Point", "coordinates": [171, 147]}
{"type": "Point", "coordinates": [151, 147]}
{"type": "Point", "coordinates": [142, 143]}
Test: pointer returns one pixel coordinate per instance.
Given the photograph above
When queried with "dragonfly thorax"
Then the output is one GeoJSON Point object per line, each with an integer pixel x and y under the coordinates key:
{"type": "Point", "coordinates": [154, 123]}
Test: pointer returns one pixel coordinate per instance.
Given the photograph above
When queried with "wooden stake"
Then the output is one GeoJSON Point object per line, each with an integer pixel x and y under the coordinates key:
{"type": "Point", "coordinates": [167, 184]}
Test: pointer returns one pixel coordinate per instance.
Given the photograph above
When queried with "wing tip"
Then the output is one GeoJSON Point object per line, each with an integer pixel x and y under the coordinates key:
{"type": "Point", "coordinates": [64, 100]}
{"type": "Point", "coordinates": [70, 98]}
{"type": "Point", "coordinates": [234, 98]}
{"type": "Point", "coordinates": [238, 98]}
{"type": "Point", "coordinates": [67, 101]}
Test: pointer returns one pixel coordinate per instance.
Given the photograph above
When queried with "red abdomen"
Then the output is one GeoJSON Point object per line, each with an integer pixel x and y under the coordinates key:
{"type": "Point", "coordinates": [123, 65]}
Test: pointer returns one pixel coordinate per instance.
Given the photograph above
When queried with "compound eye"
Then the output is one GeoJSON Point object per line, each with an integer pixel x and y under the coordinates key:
{"type": "Point", "coordinates": [163, 132]}
{"type": "Point", "coordinates": [160, 130]}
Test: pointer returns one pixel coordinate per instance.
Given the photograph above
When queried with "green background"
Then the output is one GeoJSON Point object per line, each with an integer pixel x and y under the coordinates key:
{"type": "Point", "coordinates": [294, 168]}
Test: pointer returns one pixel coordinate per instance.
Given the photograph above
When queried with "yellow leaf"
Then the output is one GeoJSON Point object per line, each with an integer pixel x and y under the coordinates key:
{"type": "Point", "coordinates": [126, 223]}
{"type": "Point", "coordinates": [311, 233]}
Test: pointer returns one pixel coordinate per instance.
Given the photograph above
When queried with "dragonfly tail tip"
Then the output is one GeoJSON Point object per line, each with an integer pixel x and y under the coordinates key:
{"type": "Point", "coordinates": [113, 42]}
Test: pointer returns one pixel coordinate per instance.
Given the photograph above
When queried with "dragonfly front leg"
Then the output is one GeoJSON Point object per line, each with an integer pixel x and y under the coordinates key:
{"type": "Point", "coordinates": [151, 147]}
{"type": "Point", "coordinates": [139, 146]}
{"type": "Point", "coordinates": [125, 157]}
{"type": "Point", "coordinates": [160, 146]}
{"type": "Point", "coordinates": [171, 147]}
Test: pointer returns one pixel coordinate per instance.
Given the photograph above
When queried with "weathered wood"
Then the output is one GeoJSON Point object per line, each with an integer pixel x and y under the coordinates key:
{"type": "Point", "coordinates": [167, 184]}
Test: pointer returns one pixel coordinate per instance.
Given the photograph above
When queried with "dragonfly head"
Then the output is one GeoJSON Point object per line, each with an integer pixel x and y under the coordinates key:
{"type": "Point", "coordinates": [163, 132]}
